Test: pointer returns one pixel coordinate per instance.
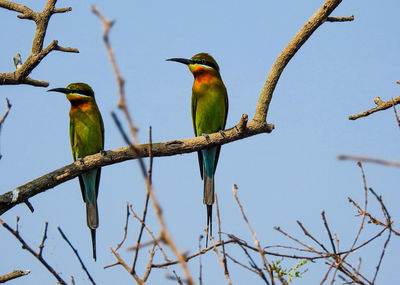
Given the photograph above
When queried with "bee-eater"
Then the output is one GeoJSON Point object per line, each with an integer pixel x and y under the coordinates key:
{"type": "Point", "coordinates": [209, 112]}
{"type": "Point", "coordinates": [86, 132]}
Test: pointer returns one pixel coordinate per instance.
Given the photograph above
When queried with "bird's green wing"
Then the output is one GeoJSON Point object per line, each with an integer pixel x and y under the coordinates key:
{"type": "Point", "coordinates": [72, 137]}
{"type": "Point", "coordinates": [223, 128]}
{"type": "Point", "coordinates": [194, 107]}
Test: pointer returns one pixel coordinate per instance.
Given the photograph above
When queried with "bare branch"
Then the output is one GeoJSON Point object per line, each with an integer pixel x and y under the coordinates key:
{"type": "Point", "coordinates": [256, 241]}
{"type": "Point", "coordinates": [13, 275]}
{"type": "Point", "coordinates": [56, 177]}
{"type": "Point", "coordinates": [369, 159]}
{"type": "Point", "coordinates": [20, 76]}
{"type": "Point", "coordinates": [382, 105]}
{"type": "Point", "coordinates": [286, 55]}
{"type": "Point", "coordinates": [31, 251]}
{"type": "Point", "coordinates": [8, 105]}
{"type": "Point", "coordinates": [125, 228]}
{"type": "Point", "coordinates": [340, 19]}
{"type": "Point", "coordinates": [77, 255]}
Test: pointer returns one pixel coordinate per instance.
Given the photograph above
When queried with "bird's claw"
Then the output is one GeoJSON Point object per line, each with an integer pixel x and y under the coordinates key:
{"type": "Point", "coordinates": [206, 136]}
{"type": "Point", "coordinates": [103, 152]}
{"type": "Point", "coordinates": [222, 133]}
{"type": "Point", "coordinates": [81, 161]}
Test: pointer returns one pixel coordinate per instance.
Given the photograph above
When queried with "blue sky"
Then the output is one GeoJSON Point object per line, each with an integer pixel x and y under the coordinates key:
{"type": "Point", "coordinates": [288, 175]}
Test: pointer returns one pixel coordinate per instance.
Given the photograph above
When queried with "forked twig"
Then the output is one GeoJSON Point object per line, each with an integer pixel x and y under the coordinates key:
{"type": "Point", "coordinates": [31, 251]}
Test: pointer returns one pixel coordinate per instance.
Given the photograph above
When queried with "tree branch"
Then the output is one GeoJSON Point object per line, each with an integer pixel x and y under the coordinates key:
{"type": "Point", "coordinates": [56, 177]}
{"type": "Point", "coordinates": [382, 105]}
{"type": "Point", "coordinates": [13, 275]}
{"type": "Point", "coordinates": [20, 76]}
{"type": "Point", "coordinates": [286, 55]}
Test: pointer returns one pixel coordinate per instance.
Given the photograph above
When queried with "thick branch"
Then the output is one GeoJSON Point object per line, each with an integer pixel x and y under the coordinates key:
{"type": "Point", "coordinates": [286, 55]}
{"type": "Point", "coordinates": [52, 179]}
{"type": "Point", "coordinates": [382, 105]}
{"type": "Point", "coordinates": [20, 76]}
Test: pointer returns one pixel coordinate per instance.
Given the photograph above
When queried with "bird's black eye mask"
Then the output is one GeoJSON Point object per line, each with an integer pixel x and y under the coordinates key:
{"type": "Point", "coordinates": [82, 92]}
{"type": "Point", "coordinates": [205, 62]}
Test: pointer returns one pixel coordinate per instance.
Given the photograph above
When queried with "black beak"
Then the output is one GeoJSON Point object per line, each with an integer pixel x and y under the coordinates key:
{"type": "Point", "coordinates": [62, 90]}
{"type": "Point", "coordinates": [181, 60]}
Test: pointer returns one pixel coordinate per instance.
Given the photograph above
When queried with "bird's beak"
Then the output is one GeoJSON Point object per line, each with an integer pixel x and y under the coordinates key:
{"type": "Point", "coordinates": [181, 60]}
{"type": "Point", "coordinates": [62, 90]}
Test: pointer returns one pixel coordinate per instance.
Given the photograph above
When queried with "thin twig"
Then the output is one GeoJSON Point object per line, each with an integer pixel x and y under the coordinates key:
{"type": "Point", "coordinates": [389, 225]}
{"type": "Point", "coordinates": [149, 171]}
{"type": "Point", "coordinates": [41, 246]}
{"type": "Point", "coordinates": [253, 233]}
{"type": "Point", "coordinates": [223, 263]}
{"type": "Point", "coordinates": [369, 159]}
{"type": "Point", "coordinates": [340, 19]}
{"type": "Point", "coordinates": [381, 106]}
{"type": "Point", "coordinates": [125, 228]}
{"type": "Point", "coordinates": [31, 251]}
{"type": "Point", "coordinates": [77, 255]}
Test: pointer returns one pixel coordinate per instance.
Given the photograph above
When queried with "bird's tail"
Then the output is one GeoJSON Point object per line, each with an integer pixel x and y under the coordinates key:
{"type": "Point", "coordinates": [208, 200]}
{"type": "Point", "coordinates": [92, 217]}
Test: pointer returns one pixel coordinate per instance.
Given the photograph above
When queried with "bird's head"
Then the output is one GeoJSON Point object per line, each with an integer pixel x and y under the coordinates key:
{"type": "Point", "coordinates": [76, 92]}
{"type": "Point", "coordinates": [199, 63]}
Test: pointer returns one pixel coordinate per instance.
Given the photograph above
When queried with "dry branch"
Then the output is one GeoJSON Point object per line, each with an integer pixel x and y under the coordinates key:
{"type": "Point", "coordinates": [56, 177]}
{"type": "Point", "coordinates": [369, 159]}
{"type": "Point", "coordinates": [13, 275]}
{"type": "Point", "coordinates": [382, 105]}
{"type": "Point", "coordinates": [41, 19]}
{"type": "Point", "coordinates": [37, 255]}
{"type": "Point", "coordinates": [286, 55]}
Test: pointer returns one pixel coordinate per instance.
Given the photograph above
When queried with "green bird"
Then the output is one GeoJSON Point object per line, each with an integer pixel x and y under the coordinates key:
{"type": "Point", "coordinates": [209, 113]}
{"type": "Point", "coordinates": [86, 132]}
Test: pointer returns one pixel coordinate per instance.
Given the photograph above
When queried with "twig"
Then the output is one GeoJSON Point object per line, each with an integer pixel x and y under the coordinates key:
{"type": "Point", "coordinates": [223, 263]}
{"type": "Point", "coordinates": [253, 233]}
{"type": "Point", "coordinates": [77, 255]}
{"type": "Point", "coordinates": [389, 225]}
{"type": "Point", "coordinates": [149, 263]}
{"type": "Point", "coordinates": [328, 231]}
{"type": "Point", "coordinates": [381, 106]}
{"type": "Point", "coordinates": [149, 173]}
{"type": "Point", "coordinates": [241, 264]}
{"type": "Point", "coordinates": [125, 228]}
{"type": "Point", "coordinates": [41, 246]}
{"type": "Point", "coordinates": [340, 19]}
{"type": "Point", "coordinates": [200, 265]}
{"type": "Point", "coordinates": [310, 236]}
{"type": "Point", "coordinates": [369, 159]}
{"type": "Point", "coordinates": [255, 267]}
{"type": "Point", "coordinates": [397, 116]}
{"type": "Point", "coordinates": [41, 19]}
{"type": "Point", "coordinates": [31, 251]}
{"type": "Point", "coordinates": [155, 240]}
{"type": "Point", "coordinates": [8, 105]}
{"type": "Point", "coordinates": [126, 266]}
{"type": "Point", "coordinates": [13, 275]}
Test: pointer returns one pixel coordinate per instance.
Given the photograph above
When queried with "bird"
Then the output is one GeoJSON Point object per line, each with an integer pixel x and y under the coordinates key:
{"type": "Point", "coordinates": [86, 130]}
{"type": "Point", "coordinates": [209, 108]}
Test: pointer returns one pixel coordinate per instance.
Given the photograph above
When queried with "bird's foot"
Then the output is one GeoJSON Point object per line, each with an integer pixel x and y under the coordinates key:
{"type": "Point", "coordinates": [81, 161]}
{"type": "Point", "coordinates": [222, 133]}
{"type": "Point", "coordinates": [206, 136]}
{"type": "Point", "coordinates": [103, 152]}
